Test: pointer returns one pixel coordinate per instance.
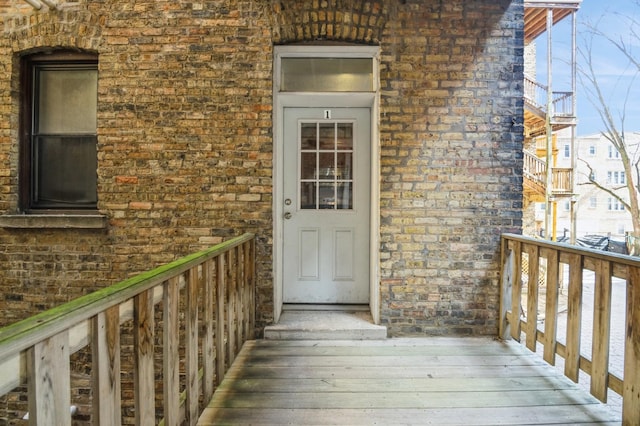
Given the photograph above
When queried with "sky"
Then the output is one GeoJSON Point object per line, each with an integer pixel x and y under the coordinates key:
{"type": "Point", "coordinates": [619, 81]}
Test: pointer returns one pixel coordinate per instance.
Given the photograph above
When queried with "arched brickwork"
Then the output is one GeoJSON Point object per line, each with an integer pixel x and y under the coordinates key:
{"type": "Point", "coordinates": [70, 28]}
{"type": "Point", "coordinates": [353, 21]}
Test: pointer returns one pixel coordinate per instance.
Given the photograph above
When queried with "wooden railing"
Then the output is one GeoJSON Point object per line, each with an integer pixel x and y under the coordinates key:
{"type": "Point", "coordinates": [536, 94]}
{"type": "Point", "coordinates": [521, 304]}
{"type": "Point", "coordinates": [200, 308]}
{"type": "Point", "coordinates": [535, 169]}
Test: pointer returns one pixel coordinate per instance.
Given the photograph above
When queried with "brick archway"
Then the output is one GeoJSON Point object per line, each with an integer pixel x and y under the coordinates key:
{"type": "Point", "coordinates": [352, 21]}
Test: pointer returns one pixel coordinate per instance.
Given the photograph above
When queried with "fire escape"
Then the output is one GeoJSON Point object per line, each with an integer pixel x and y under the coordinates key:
{"type": "Point", "coordinates": [546, 112]}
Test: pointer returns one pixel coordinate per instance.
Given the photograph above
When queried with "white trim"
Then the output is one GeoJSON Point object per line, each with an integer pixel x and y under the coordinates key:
{"type": "Point", "coordinates": [334, 99]}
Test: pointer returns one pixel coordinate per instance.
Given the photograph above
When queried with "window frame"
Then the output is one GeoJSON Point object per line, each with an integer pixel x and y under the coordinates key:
{"type": "Point", "coordinates": [28, 117]}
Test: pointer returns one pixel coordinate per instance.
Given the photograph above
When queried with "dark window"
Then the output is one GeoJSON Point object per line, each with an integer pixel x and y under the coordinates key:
{"type": "Point", "coordinates": [58, 147]}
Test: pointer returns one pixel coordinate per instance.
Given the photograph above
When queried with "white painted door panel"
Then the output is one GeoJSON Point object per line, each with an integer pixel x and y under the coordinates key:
{"type": "Point", "coordinates": [327, 205]}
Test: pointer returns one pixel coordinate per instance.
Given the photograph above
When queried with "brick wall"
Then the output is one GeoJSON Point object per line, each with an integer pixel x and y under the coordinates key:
{"type": "Point", "coordinates": [451, 136]}
{"type": "Point", "coordinates": [184, 141]}
{"type": "Point", "coordinates": [185, 144]}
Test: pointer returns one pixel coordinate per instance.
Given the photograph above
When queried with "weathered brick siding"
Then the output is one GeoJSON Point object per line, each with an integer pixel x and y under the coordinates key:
{"type": "Point", "coordinates": [185, 144]}
{"type": "Point", "coordinates": [451, 136]}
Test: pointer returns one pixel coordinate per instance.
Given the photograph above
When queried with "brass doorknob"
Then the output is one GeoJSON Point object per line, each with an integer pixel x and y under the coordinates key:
{"type": "Point", "coordinates": [287, 215]}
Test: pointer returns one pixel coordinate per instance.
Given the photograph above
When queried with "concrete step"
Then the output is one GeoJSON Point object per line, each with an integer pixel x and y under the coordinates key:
{"type": "Point", "coordinates": [325, 325]}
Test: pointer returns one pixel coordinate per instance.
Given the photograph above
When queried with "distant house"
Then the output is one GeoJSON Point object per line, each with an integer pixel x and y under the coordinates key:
{"type": "Point", "coordinates": [597, 211]}
{"type": "Point", "coordinates": [374, 147]}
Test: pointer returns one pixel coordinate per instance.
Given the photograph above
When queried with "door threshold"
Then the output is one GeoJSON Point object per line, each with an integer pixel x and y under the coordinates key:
{"type": "Point", "coordinates": [324, 307]}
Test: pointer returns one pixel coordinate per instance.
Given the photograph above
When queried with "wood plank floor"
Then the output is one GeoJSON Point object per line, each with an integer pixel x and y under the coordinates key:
{"type": "Point", "coordinates": [435, 381]}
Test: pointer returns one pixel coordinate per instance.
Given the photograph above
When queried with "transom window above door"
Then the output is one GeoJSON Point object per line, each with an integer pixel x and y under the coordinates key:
{"type": "Point", "coordinates": [327, 75]}
{"type": "Point", "coordinates": [325, 175]}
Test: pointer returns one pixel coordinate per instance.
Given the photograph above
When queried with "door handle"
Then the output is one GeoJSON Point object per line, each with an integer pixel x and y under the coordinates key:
{"type": "Point", "coordinates": [287, 215]}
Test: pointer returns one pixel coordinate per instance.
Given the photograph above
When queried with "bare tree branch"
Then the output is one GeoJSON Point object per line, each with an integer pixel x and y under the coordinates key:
{"type": "Point", "coordinates": [614, 127]}
{"type": "Point", "coordinates": [603, 188]}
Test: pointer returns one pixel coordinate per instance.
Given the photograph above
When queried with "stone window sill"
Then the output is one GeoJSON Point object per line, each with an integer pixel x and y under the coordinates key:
{"type": "Point", "coordinates": [54, 221]}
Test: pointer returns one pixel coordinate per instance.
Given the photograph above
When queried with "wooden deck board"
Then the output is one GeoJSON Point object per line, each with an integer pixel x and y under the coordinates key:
{"type": "Point", "coordinates": [556, 416]}
{"type": "Point", "coordinates": [398, 381]}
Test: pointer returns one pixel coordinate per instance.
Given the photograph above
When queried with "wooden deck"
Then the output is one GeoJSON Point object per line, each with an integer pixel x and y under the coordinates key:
{"type": "Point", "coordinates": [437, 381]}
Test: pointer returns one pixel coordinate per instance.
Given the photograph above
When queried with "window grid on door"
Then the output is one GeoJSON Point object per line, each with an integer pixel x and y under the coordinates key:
{"type": "Point", "coordinates": [325, 158]}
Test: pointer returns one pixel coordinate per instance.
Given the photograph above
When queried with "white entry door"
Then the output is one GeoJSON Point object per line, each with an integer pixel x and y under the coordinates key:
{"type": "Point", "coordinates": [327, 192]}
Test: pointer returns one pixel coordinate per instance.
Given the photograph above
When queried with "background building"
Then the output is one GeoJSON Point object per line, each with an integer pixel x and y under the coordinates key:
{"type": "Point", "coordinates": [598, 212]}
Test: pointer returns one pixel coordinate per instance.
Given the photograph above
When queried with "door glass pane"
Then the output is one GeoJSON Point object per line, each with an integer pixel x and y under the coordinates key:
{"type": "Point", "coordinates": [326, 168]}
{"type": "Point", "coordinates": [343, 170]}
{"type": "Point", "coordinates": [326, 75]}
{"type": "Point", "coordinates": [345, 196]}
{"type": "Point", "coordinates": [327, 135]}
{"type": "Point", "coordinates": [308, 136]}
{"type": "Point", "coordinates": [308, 165]}
{"type": "Point", "coordinates": [327, 196]}
{"type": "Point", "coordinates": [67, 101]}
{"type": "Point", "coordinates": [308, 195]}
{"type": "Point", "coordinates": [345, 136]}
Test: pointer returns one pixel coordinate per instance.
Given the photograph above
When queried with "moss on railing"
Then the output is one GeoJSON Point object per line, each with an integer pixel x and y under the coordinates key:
{"type": "Point", "coordinates": [24, 333]}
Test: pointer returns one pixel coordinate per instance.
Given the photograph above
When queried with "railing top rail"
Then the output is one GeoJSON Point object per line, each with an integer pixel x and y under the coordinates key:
{"type": "Point", "coordinates": [568, 248]}
{"type": "Point", "coordinates": [533, 81]}
{"type": "Point", "coordinates": [560, 94]}
{"type": "Point", "coordinates": [26, 333]}
{"type": "Point", "coordinates": [532, 156]}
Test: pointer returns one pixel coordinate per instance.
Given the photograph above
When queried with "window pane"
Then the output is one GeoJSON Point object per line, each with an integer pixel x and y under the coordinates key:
{"type": "Point", "coordinates": [345, 136]}
{"type": "Point", "coordinates": [327, 136]}
{"type": "Point", "coordinates": [345, 196]}
{"type": "Point", "coordinates": [327, 75]}
{"type": "Point", "coordinates": [327, 168]}
{"type": "Point", "coordinates": [68, 101]}
{"type": "Point", "coordinates": [344, 165]}
{"type": "Point", "coordinates": [308, 165]}
{"type": "Point", "coordinates": [327, 196]}
{"type": "Point", "coordinates": [65, 171]}
{"type": "Point", "coordinates": [308, 195]}
{"type": "Point", "coordinates": [308, 136]}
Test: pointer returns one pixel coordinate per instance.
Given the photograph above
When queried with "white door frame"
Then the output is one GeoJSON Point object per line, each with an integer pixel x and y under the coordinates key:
{"type": "Point", "coordinates": [282, 100]}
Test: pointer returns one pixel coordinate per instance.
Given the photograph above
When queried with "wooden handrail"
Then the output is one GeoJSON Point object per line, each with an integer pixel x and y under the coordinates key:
{"type": "Point", "coordinates": [206, 303]}
{"type": "Point", "coordinates": [518, 317]}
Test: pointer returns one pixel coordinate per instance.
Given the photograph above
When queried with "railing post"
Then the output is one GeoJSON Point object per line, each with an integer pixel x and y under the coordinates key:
{"type": "Point", "coordinates": [231, 306]}
{"type": "Point", "coordinates": [574, 318]}
{"type": "Point", "coordinates": [170, 351]}
{"type": "Point", "coordinates": [551, 307]}
{"type": "Point", "coordinates": [221, 275]}
{"type": "Point", "coordinates": [106, 368]}
{"type": "Point", "coordinates": [506, 288]}
{"type": "Point", "coordinates": [49, 383]}
{"type": "Point", "coordinates": [532, 296]}
{"type": "Point", "coordinates": [252, 286]}
{"type": "Point", "coordinates": [208, 350]}
{"type": "Point", "coordinates": [191, 347]}
{"type": "Point", "coordinates": [631, 391]}
{"type": "Point", "coordinates": [601, 331]}
{"type": "Point", "coordinates": [516, 292]}
{"type": "Point", "coordinates": [143, 331]}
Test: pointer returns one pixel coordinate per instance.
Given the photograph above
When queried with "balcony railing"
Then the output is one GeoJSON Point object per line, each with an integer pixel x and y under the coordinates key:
{"type": "Point", "coordinates": [535, 94]}
{"type": "Point", "coordinates": [521, 305]}
{"type": "Point", "coordinates": [200, 308]}
{"type": "Point", "coordinates": [535, 170]}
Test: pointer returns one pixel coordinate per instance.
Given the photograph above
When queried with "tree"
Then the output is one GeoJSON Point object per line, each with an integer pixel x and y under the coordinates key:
{"type": "Point", "coordinates": [614, 121]}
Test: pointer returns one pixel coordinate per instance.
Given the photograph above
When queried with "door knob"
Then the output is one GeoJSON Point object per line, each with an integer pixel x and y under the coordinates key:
{"type": "Point", "coordinates": [287, 215]}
